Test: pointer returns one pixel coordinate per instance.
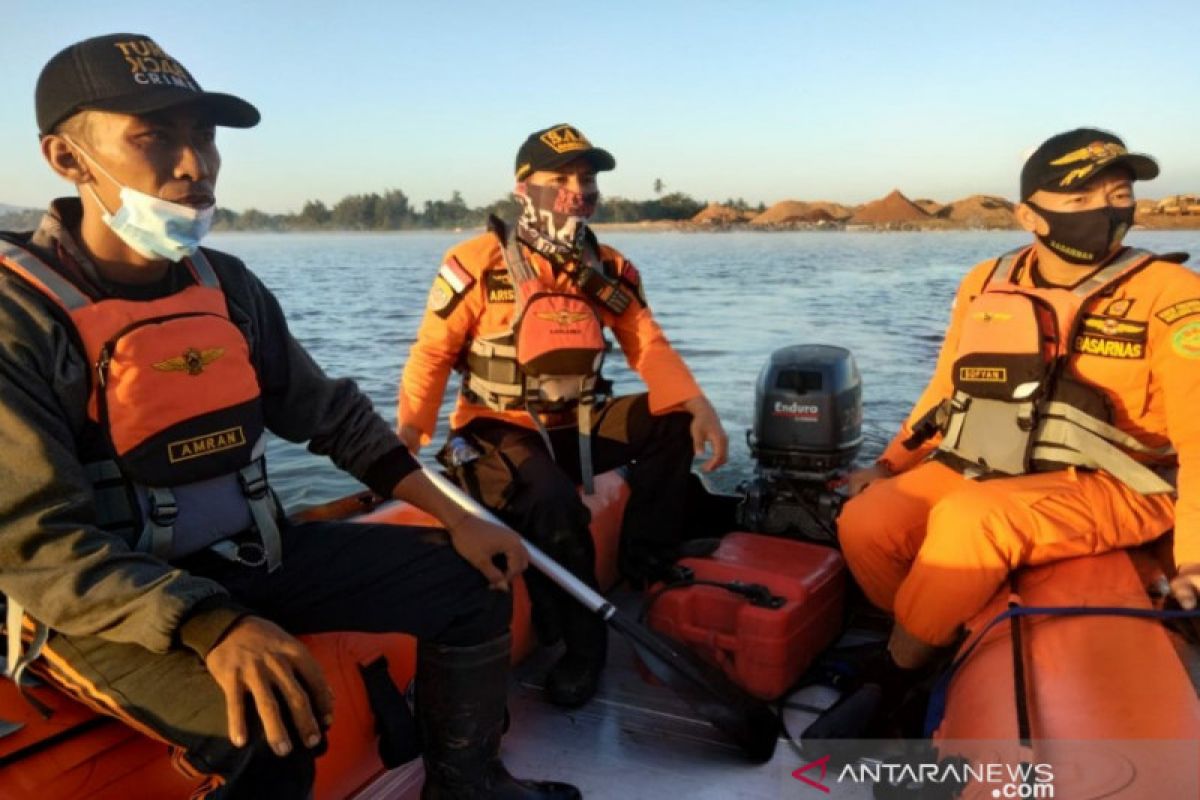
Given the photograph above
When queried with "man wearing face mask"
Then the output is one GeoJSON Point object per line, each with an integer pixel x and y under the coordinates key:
{"type": "Point", "coordinates": [138, 534]}
{"type": "Point", "coordinates": [529, 426]}
{"type": "Point", "coordinates": [1060, 420]}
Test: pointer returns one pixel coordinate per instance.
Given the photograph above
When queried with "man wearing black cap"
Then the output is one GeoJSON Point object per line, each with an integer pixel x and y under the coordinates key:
{"type": "Point", "coordinates": [1068, 379]}
{"type": "Point", "coordinates": [522, 447]}
{"type": "Point", "coordinates": [136, 526]}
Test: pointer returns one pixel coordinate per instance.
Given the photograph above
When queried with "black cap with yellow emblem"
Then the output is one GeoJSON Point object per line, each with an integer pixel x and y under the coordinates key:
{"type": "Point", "coordinates": [551, 148]}
{"type": "Point", "coordinates": [1064, 162]}
{"type": "Point", "coordinates": [127, 73]}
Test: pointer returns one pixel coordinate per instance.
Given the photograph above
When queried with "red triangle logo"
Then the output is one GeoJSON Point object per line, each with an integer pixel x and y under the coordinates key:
{"type": "Point", "coordinates": [822, 764]}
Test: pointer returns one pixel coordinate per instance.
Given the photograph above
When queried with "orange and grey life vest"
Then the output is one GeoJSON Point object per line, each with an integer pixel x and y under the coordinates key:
{"type": "Point", "coordinates": [1015, 409]}
{"type": "Point", "coordinates": [177, 399]}
{"type": "Point", "coordinates": [549, 360]}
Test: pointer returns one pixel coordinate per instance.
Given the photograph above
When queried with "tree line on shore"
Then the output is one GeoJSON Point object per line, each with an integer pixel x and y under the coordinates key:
{"type": "Point", "coordinates": [393, 211]}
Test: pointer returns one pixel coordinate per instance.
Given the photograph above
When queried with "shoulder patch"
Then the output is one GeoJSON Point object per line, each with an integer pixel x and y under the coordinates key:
{"type": "Point", "coordinates": [451, 283]}
{"type": "Point", "coordinates": [1186, 340]}
{"type": "Point", "coordinates": [1185, 308]}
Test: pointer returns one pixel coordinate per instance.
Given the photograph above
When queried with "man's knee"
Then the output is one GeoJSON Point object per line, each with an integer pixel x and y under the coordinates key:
{"type": "Point", "coordinates": [974, 520]}
{"type": "Point", "coordinates": [858, 528]}
{"type": "Point", "coordinates": [558, 520]}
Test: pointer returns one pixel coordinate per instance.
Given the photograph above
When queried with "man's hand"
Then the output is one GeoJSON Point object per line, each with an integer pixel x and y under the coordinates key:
{"type": "Point", "coordinates": [862, 478]}
{"type": "Point", "coordinates": [1185, 588]}
{"type": "Point", "coordinates": [479, 541]}
{"type": "Point", "coordinates": [411, 437]}
{"type": "Point", "coordinates": [259, 657]}
{"type": "Point", "coordinates": [707, 430]}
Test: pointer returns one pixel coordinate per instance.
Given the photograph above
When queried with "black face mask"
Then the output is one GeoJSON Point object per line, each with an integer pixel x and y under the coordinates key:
{"type": "Point", "coordinates": [1085, 237]}
{"type": "Point", "coordinates": [553, 220]}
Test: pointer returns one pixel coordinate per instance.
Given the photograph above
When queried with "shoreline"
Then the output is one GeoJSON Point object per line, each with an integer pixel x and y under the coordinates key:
{"type": "Point", "coordinates": [670, 226]}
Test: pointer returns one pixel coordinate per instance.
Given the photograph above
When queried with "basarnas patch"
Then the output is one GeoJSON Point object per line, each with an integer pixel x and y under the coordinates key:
{"type": "Point", "coordinates": [1108, 347]}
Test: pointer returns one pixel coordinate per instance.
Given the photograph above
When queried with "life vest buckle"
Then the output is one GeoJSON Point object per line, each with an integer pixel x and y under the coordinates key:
{"type": "Point", "coordinates": [255, 486]}
{"type": "Point", "coordinates": [164, 511]}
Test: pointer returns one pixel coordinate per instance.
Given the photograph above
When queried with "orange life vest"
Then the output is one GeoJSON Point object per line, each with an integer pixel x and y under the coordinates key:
{"type": "Point", "coordinates": [550, 358]}
{"type": "Point", "coordinates": [1015, 409]}
{"type": "Point", "coordinates": [177, 398]}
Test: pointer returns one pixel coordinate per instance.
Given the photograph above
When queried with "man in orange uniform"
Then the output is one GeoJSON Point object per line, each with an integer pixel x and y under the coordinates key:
{"type": "Point", "coordinates": [930, 544]}
{"type": "Point", "coordinates": [530, 461]}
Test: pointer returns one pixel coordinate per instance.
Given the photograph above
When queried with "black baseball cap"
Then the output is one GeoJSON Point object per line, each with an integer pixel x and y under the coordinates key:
{"type": "Point", "coordinates": [1063, 162]}
{"type": "Point", "coordinates": [552, 147]}
{"type": "Point", "coordinates": [130, 74]}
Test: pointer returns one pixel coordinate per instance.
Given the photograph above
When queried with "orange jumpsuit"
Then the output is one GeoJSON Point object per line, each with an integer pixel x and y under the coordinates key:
{"type": "Point", "coordinates": [484, 309]}
{"type": "Point", "coordinates": [933, 547]}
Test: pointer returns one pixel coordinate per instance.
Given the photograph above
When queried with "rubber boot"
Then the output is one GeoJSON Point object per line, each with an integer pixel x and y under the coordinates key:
{"type": "Point", "coordinates": [873, 708]}
{"type": "Point", "coordinates": [461, 694]}
{"type": "Point", "coordinates": [573, 680]}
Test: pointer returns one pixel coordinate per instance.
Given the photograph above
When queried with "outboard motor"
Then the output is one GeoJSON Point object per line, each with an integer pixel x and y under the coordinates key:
{"type": "Point", "coordinates": [807, 432]}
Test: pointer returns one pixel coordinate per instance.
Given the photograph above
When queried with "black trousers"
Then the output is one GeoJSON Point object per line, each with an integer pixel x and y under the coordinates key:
{"type": "Point", "coordinates": [336, 576]}
{"type": "Point", "coordinates": [537, 494]}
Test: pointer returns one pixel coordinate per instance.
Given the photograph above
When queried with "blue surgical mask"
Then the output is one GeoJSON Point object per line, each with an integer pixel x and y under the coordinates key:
{"type": "Point", "coordinates": [153, 227]}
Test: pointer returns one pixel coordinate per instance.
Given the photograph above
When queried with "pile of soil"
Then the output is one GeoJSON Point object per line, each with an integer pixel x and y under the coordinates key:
{"type": "Point", "coordinates": [717, 214]}
{"type": "Point", "coordinates": [783, 212]}
{"type": "Point", "coordinates": [931, 207]}
{"type": "Point", "coordinates": [895, 208]}
{"type": "Point", "coordinates": [981, 211]}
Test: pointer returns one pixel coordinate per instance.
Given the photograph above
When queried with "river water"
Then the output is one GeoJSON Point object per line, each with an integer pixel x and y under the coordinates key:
{"type": "Point", "coordinates": [726, 300]}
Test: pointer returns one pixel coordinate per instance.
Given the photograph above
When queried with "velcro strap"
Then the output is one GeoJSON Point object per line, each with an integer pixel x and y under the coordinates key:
{"type": "Point", "coordinates": [253, 478]}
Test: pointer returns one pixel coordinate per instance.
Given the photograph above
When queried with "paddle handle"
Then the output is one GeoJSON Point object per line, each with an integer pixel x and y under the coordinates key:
{"type": "Point", "coordinates": [570, 584]}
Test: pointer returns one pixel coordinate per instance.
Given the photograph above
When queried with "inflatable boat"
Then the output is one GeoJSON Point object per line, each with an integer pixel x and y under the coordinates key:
{"type": "Point", "coordinates": [1084, 679]}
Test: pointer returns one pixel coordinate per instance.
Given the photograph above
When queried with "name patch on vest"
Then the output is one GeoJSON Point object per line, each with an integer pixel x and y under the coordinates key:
{"type": "Point", "coordinates": [206, 445]}
{"type": "Point", "coordinates": [983, 374]}
{"type": "Point", "coordinates": [1172, 314]}
{"type": "Point", "coordinates": [499, 286]}
{"type": "Point", "coordinates": [1108, 347]}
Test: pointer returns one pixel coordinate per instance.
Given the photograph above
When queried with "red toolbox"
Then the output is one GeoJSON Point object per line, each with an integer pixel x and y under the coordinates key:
{"type": "Point", "coordinates": [765, 643]}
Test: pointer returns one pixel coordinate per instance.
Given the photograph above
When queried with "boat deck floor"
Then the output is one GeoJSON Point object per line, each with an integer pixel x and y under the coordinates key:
{"type": "Point", "coordinates": [634, 740]}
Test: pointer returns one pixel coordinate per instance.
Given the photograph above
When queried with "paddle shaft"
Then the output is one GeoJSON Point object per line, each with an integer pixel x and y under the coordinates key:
{"type": "Point", "coordinates": [589, 597]}
{"type": "Point", "coordinates": [746, 720]}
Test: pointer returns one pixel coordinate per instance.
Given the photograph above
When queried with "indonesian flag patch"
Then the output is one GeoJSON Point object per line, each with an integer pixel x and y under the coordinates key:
{"type": "Point", "coordinates": [449, 286]}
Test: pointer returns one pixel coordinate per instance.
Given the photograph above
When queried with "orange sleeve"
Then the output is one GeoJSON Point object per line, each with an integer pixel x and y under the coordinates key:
{"type": "Point", "coordinates": [440, 340]}
{"type": "Point", "coordinates": [896, 456]}
{"type": "Point", "coordinates": [650, 355]}
{"type": "Point", "coordinates": [1174, 349]}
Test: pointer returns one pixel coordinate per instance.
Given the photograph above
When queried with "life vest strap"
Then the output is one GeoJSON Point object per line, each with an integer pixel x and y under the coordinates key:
{"type": "Point", "coordinates": [1102, 278]}
{"type": "Point", "coordinates": [42, 276]}
{"type": "Point", "coordinates": [1104, 430]}
{"type": "Point", "coordinates": [158, 533]}
{"type": "Point", "coordinates": [17, 657]}
{"type": "Point", "coordinates": [587, 402]}
{"type": "Point", "coordinates": [1061, 441]}
{"type": "Point", "coordinates": [202, 270]}
{"type": "Point", "coordinates": [491, 348]}
{"type": "Point", "coordinates": [253, 478]}
{"type": "Point", "coordinates": [496, 395]}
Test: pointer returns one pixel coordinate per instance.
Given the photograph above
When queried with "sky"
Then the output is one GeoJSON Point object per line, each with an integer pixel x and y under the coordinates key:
{"type": "Point", "coordinates": [841, 100]}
